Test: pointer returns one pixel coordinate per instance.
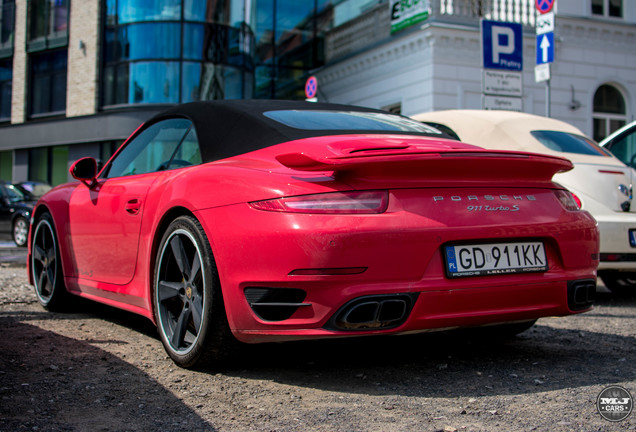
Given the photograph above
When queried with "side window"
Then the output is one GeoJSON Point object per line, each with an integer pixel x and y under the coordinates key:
{"type": "Point", "coordinates": [153, 149]}
{"type": "Point", "coordinates": [188, 152]}
{"type": "Point", "coordinates": [624, 148]}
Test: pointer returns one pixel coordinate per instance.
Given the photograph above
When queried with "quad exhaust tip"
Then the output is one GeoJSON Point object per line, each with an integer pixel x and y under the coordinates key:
{"type": "Point", "coordinates": [374, 312]}
{"type": "Point", "coordinates": [581, 294]}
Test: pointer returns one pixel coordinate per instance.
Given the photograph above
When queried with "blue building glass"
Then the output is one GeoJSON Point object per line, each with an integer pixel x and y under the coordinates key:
{"type": "Point", "coordinates": [6, 80]}
{"type": "Point", "coordinates": [175, 51]}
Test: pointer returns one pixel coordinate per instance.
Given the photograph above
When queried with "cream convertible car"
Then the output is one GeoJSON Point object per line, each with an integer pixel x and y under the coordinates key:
{"type": "Point", "coordinates": [599, 180]}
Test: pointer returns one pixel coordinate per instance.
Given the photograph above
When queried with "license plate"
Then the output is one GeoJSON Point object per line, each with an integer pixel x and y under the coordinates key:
{"type": "Point", "coordinates": [632, 237]}
{"type": "Point", "coordinates": [495, 259]}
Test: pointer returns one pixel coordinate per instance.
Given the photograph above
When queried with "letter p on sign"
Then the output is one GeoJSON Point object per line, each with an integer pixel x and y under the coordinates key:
{"type": "Point", "coordinates": [503, 42]}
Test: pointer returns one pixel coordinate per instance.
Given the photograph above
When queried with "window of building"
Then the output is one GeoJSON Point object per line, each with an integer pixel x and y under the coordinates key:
{"type": "Point", "coordinates": [289, 44]}
{"type": "Point", "coordinates": [48, 83]}
{"type": "Point", "coordinates": [48, 24]}
{"type": "Point", "coordinates": [6, 78]}
{"type": "Point", "coordinates": [609, 8]}
{"type": "Point", "coordinates": [609, 111]}
{"type": "Point", "coordinates": [49, 165]}
{"type": "Point", "coordinates": [7, 26]}
{"type": "Point", "coordinates": [152, 55]}
{"type": "Point", "coordinates": [106, 150]}
{"type": "Point", "coordinates": [6, 165]}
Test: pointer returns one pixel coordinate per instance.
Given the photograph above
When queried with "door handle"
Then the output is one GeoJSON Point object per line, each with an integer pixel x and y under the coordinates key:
{"type": "Point", "coordinates": [132, 207]}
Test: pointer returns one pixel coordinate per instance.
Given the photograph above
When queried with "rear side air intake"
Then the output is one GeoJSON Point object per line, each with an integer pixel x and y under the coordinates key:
{"type": "Point", "coordinates": [275, 304]}
{"type": "Point", "coordinates": [374, 312]}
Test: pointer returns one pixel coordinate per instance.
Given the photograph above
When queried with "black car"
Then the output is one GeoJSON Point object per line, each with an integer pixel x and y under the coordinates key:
{"type": "Point", "coordinates": [32, 190]}
{"type": "Point", "coordinates": [15, 213]}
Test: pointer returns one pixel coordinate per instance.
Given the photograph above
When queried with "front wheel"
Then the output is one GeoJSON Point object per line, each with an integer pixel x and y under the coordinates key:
{"type": "Point", "coordinates": [187, 297]}
{"type": "Point", "coordinates": [20, 231]}
{"type": "Point", "coordinates": [46, 267]}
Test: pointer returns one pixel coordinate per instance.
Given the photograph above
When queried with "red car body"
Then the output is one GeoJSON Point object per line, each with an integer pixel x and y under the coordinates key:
{"type": "Point", "coordinates": [290, 270]}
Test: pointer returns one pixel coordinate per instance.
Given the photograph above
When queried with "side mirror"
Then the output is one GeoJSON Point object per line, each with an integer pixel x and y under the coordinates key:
{"type": "Point", "coordinates": [85, 170]}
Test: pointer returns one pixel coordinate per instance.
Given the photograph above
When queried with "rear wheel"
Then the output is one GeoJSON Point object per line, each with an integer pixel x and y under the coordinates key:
{"type": "Point", "coordinates": [620, 283]}
{"type": "Point", "coordinates": [46, 266]}
{"type": "Point", "coordinates": [20, 231]}
{"type": "Point", "coordinates": [187, 297]}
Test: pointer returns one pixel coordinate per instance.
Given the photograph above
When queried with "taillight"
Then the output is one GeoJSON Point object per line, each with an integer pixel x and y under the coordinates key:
{"type": "Point", "coordinates": [365, 202]}
{"type": "Point", "coordinates": [569, 200]}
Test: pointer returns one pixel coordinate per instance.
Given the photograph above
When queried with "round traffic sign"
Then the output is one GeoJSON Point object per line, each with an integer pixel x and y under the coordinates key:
{"type": "Point", "coordinates": [544, 6]}
{"type": "Point", "coordinates": [311, 87]}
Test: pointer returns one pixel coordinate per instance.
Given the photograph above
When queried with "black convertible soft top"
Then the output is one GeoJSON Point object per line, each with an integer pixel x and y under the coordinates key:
{"type": "Point", "coordinates": [228, 128]}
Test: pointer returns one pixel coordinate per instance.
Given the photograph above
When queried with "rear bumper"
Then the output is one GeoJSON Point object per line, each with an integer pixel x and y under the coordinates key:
{"type": "Point", "coordinates": [330, 262]}
{"type": "Point", "coordinates": [617, 253]}
{"type": "Point", "coordinates": [449, 309]}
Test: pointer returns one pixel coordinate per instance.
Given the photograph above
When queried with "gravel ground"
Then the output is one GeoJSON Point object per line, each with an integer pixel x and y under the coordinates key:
{"type": "Point", "coordinates": [101, 369]}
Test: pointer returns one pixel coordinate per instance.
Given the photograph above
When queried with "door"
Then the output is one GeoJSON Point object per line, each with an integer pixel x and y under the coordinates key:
{"type": "Point", "coordinates": [105, 221]}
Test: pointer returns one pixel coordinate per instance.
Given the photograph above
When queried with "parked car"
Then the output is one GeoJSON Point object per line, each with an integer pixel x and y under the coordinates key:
{"type": "Point", "coordinates": [33, 190]}
{"type": "Point", "coordinates": [15, 213]}
{"type": "Point", "coordinates": [622, 144]}
{"type": "Point", "coordinates": [600, 182]}
{"type": "Point", "coordinates": [270, 220]}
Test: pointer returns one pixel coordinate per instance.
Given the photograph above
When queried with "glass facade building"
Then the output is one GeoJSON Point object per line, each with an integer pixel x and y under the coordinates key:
{"type": "Point", "coordinates": [176, 51]}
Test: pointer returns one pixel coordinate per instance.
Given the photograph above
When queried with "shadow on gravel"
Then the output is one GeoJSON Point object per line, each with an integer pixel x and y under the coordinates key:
{"type": "Point", "coordinates": [541, 359]}
{"type": "Point", "coordinates": [454, 364]}
{"type": "Point", "coordinates": [441, 365]}
{"type": "Point", "coordinates": [41, 371]}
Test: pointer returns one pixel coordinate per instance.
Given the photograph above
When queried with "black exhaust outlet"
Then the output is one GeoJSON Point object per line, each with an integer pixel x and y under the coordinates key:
{"type": "Point", "coordinates": [374, 312]}
{"type": "Point", "coordinates": [581, 294]}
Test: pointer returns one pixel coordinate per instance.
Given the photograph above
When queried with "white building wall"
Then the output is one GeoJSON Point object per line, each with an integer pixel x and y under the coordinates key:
{"type": "Point", "coordinates": [438, 67]}
{"type": "Point", "coordinates": [398, 72]}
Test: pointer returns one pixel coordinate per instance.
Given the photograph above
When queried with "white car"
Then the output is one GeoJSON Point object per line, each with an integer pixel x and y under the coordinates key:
{"type": "Point", "coordinates": [622, 144]}
{"type": "Point", "coordinates": [601, 183]}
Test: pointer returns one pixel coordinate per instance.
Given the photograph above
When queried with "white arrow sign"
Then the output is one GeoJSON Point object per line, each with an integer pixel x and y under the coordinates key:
{"type": "Point", "coordinates": [545, 45]}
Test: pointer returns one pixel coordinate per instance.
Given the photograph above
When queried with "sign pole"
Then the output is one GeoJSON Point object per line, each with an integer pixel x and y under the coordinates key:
{"type": "Point", "coordinates": [545, 47]}
{"type": "Point", "coordinates": [547, 99]}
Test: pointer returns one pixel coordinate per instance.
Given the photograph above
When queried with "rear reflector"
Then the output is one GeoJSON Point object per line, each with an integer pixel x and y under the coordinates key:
{"type": "Point", "coordinates": [364, 202]}
{"type": "Point", "coordinates": [328, 271]}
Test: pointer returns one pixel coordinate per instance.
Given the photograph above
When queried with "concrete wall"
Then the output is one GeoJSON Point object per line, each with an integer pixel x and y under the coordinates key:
{"type": "Point", "coordinates": [19, 83]}
{"type": "Point", "coordinates": [83, 48]}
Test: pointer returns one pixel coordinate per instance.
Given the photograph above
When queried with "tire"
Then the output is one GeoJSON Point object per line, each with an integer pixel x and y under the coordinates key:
{"type": "Point", "coordinates": [187, 298]}
{"type": "Point", "coordinates": [20, 231]}
{"type": "Point", "coordinates": [619, 283]}
{"type": "Point", "coordinates": [46, 266]}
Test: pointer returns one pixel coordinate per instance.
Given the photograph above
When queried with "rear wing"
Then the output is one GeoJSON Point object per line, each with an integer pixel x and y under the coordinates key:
{"type": "Point", "coordinates": [455, 165]}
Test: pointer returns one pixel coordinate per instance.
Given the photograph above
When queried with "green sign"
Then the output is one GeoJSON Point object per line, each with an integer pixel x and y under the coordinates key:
{"type": "Point", "coordinates": [405, 13]}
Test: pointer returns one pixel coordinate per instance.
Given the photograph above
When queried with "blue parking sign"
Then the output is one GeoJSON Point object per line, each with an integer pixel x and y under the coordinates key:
{"type": "Point", "coordinates": [502, 44]}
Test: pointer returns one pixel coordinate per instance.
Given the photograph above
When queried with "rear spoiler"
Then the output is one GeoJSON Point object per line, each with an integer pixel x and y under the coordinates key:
{"type": "Point", "coordinates": [458, 164]}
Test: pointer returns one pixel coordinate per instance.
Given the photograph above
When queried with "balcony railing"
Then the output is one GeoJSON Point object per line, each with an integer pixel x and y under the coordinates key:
{"type": "Point", "coordinates": [519, 11]}
{"type": "Point", "coordinates": [370, 23]}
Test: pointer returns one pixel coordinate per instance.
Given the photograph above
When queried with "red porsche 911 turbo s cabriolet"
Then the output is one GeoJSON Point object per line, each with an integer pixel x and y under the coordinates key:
{"type": "Point", "coordinates": [258, 221]}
